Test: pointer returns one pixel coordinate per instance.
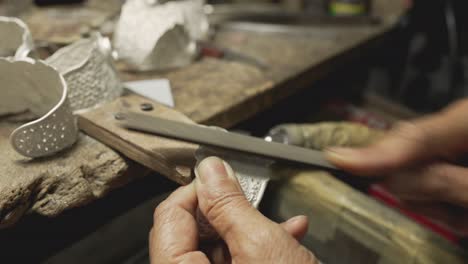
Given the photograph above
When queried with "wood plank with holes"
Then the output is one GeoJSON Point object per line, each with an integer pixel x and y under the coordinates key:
{"type": "Point", "coordinates": [173, 159]}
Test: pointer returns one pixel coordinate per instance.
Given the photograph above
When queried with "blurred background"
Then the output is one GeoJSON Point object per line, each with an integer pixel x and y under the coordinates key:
{"type": "Point", "coordinates": [424, 65]}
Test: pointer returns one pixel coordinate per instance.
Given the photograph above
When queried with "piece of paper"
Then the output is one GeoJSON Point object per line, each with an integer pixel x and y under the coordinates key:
{"type": "Point", "coordinates": [158, 90]}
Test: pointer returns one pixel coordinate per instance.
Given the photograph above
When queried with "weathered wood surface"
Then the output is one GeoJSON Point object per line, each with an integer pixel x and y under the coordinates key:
{"type": "Point", "coordinates": [223, 93]}
{"type": "Point", "coordinates": [174, 159]}
{"type": "Point", "coordinates": [49, 186]}
{"type": "Point", "coordinates": [66, 24]}
{"type": "Point", "coordinates": [210, 91]}
{"type": "Point", "coordinates": [228, 92]}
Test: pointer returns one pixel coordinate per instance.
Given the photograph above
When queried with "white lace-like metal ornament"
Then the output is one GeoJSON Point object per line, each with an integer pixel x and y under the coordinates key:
{"type": "Point", "coordinates": [76, 77]}
{"type": "Point", "coordinates": [36, 88]}
{"type": "Point", "coordinates": [252, 172]}
{"type": "Point", "coordinates": [153, 36]}
{"type": "Point", "coordinates": [88, 69]}
{"type": "Point", "coordinates": [16, 39]}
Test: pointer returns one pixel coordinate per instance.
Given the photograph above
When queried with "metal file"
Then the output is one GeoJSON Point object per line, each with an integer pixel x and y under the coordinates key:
{"type": "Point", "coordinates": [213, 137]}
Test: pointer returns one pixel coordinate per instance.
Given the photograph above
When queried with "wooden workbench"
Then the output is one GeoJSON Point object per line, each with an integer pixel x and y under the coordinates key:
{"type": "Point", "coordinates": [209, 91]}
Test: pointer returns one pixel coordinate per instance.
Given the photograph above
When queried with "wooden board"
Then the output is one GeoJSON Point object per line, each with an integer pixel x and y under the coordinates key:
{"type": "Point", "coordinates": [89, 169]}
{"type": "Point", "coordinates": [173, 159]}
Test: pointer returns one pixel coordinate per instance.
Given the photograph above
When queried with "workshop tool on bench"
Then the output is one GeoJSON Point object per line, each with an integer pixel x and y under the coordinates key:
{"type": "Point", "coordinates": [220, 14]}
{"type": "Point", "coordinates": [216, 138]}
{"type": "Point", "coordinates": [271, 19]}
{"type": "Point", "coordinates": [210, 50]}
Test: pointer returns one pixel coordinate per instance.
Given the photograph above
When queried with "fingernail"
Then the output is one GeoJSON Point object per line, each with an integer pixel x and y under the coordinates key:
{"type": "Point", "coordinates": [297, 218]}
{"type": "Point", "coordinates": [336, 153]}
{"type": "Point", "coordinates": [213, 169]}
{"type": "Point", "coordinates": [230, 172]}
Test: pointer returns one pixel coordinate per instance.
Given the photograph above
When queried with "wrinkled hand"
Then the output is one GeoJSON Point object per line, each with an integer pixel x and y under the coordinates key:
{"type": "Point", "coordinates": [417, 162]}
{"type": "Point", "coordinates": [247, 236]}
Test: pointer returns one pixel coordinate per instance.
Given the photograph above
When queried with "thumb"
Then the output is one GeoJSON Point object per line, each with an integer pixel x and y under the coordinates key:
{"type": "Point", "coordinates": [296, 226]}
{"type": "Point", "coordinates": [222, 202]}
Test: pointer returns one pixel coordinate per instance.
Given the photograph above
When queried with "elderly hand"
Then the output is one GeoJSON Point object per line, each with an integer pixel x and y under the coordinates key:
{"type": "Point", "coordinates": [417, 162]}
{"type": "Point", "coordinates": [247, 236]}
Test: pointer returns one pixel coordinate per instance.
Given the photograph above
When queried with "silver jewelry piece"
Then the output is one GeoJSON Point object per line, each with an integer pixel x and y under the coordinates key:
{"type": "Point", "coordinates": [252, 172]}
{"type": "Point", "coordinates": [87, 66]}
{"type": "Point", "coordinates": [16, 39]}
{"type": "Point", "coordinates": [35, 87]}
{"type": "Point", "coordinates": [153, 36]}
{"type": "Point", "coordinates": [76, 77]}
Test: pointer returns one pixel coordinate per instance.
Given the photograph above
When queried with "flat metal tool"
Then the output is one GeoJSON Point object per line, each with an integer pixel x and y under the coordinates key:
{"type": "Point", "coordinates": [217, 138]}
{"type": "Point", "coordinates": [210, 50]}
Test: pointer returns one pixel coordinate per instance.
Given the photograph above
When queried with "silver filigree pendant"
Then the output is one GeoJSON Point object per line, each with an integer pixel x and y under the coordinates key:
{"type": "Point", "coordinates": [252, 172]}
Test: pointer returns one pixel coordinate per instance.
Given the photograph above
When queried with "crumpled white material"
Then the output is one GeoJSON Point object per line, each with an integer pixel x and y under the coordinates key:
{"type": "Point", "coordinates": [152, 36]}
